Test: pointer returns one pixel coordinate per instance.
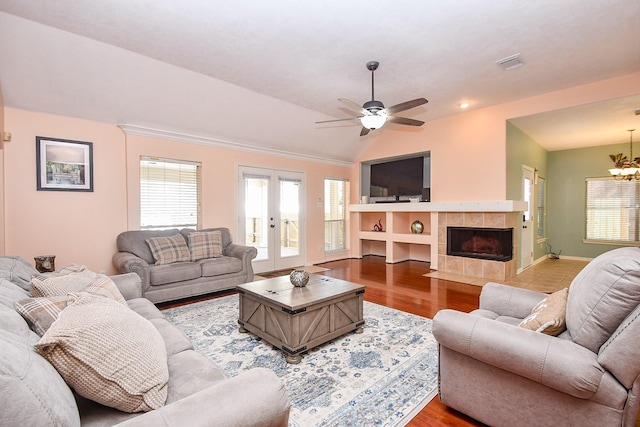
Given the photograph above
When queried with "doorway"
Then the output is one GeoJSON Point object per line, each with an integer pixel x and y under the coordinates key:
{"type": "Point", "coordinates": [526, 234]}
{"type": "Point", "coordinates": [271, 216]}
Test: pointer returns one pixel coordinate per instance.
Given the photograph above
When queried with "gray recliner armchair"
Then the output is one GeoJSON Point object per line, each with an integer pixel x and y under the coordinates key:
{"type": "Point", "coordinates": [589, 375]}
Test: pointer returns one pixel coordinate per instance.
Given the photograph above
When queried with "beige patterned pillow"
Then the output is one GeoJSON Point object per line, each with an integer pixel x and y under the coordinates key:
{"type": "Point", "coordinates": [60, 284]}
{"type": "Point", "coordinates": [170, 249]}
{"type": "Point", "coordinates": [118, 359]}
{"type": "Point", "coordinates": [549, 315]}
{"type": "Point", "coordinates": [75, 282]}
{"type": "Point", "coordinates": [205, 244]}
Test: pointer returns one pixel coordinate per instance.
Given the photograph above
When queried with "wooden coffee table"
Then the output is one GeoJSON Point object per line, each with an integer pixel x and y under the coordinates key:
{"type": "Point", "coordinates": [298, 319]}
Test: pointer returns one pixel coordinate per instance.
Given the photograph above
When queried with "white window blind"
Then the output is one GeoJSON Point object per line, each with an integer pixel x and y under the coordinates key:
{"type": "Point", "coordinates": [336, 200]}
{"type": "Point", "coordinates": [541, 231]}
{"type": "Point", "coordinates": [612, 210]}
{"type": "Point", "coordinates": [169, 194]}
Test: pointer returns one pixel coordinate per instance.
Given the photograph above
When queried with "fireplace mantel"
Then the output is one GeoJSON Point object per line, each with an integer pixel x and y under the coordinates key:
{"type": "Point", "coordinates": [480, 206]}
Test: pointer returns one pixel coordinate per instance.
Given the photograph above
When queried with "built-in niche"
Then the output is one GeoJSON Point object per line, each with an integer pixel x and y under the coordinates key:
{"type": "Point", "coordinates": [397, 179]}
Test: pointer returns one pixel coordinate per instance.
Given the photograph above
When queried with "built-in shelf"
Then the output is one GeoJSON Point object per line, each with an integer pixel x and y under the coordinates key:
{"type": "Point", "coordinates": [396, 242]}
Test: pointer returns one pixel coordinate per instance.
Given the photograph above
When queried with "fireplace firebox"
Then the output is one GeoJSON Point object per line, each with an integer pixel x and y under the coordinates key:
{"type": "Point", "coordinates": [494, 244]}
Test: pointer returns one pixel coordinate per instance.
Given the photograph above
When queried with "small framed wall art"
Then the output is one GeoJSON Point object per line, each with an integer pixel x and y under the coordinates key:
{"type": "Point", "coordinates": [64, 165]}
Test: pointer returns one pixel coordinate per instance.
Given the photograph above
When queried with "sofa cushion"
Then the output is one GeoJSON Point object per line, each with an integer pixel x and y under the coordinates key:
{"type": "Point", "coordinates": [10, 293]}
{"type": "Point", "coordinates": [135, 242]}
{"type": "Point", "coordinates": [548, 316]}
{"type": "Point", "coordinates": [169, 249]}
{"type": "Point", "coordinates": [17, 270]}
{"type": "Point", "coordinates": [602, 295]}
{"type": "Point", "coordinates": [218, 266]}
{"type": "Point", "coordinates": [118, 359]}
{"type": "Point", "coordinates": [205, 244]}
{"type": "Point", "coordinates": [171, 273]}
{"type": "Point", "coordinates": [32, 393]}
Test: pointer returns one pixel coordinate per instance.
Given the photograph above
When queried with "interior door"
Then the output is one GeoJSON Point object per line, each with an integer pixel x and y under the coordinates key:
{"type": "Point", "coordinates": [526, 234]}
{"type": "Point", "coordinates": [272, 217]}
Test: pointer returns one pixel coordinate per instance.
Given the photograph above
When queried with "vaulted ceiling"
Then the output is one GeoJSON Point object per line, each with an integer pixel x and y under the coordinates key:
{"type": "Point", "coordinates": [261, 73]}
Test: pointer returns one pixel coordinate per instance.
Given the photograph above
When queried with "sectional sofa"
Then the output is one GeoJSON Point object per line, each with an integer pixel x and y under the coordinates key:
{"type": "Point", "coordinates": [166, 383]}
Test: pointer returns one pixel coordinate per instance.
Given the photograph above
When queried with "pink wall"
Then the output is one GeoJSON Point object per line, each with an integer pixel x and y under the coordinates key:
{"type": "Point", "coordinates": [77, 227]}
{"type": "Point", "coordinates": [468, 150]}
{"type": "Point", "coordinates": [82, 227]}
{"type": "Point", "coordinates": [2, 238]}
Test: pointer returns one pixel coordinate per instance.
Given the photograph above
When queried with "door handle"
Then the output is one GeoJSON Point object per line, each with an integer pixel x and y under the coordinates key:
{"type": "Point", "coordinates": [272, 226]}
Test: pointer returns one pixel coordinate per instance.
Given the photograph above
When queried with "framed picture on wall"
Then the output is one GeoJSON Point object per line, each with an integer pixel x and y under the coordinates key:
{"type": "Point", "coordinates": [64, 165]}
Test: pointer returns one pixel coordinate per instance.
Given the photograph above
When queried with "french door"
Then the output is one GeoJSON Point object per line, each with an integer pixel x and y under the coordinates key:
{"type": "Point", "coordinates": [272, 217]}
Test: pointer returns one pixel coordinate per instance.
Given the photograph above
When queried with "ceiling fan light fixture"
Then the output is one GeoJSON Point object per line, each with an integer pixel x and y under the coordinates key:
{"type": "Point", "coordinates": [373, 121]}
{"type": "Point", "coordinates": [626, 169]}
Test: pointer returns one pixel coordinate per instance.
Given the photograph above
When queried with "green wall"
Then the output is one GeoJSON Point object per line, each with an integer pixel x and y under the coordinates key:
{"type": "Point", "coordinates": [566, 196]}
{"type": "Point", "coordinates": [523, 150]}
{"type": "Point", "coordinates": [565, 172]}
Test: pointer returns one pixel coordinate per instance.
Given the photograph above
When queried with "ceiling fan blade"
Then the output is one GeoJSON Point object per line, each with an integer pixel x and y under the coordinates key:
{"type": "Point", "coordinates": [339, 120]}
{"type": "Point", "coordinates": [405, 121]}
{"type": "Point", "coordinates": [353, 106]}
{"type": "Point", "coordinates": [406, 105]}
{"type": "Point", "coordinates": [364, 131]}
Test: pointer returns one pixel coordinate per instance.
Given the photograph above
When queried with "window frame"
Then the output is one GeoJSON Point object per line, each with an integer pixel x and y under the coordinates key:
{"type": "Point", "coordinates": [187, 186]}
{"type": "Point", "coordinates": [343, 210]}
{"type": "Point", "coordinates": [631, 218]}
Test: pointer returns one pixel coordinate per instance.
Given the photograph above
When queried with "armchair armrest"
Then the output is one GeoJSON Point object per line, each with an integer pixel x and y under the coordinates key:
{"type": "Point", "coordinates": [128, 284]}
{"type": "Point", "coordinates": [254, 398]}
{"type": "Point", "coordinates": [509, 301]}
{"type": "Point", "coordinates": [551, 361]}
{"type": "Point", "coordinates": [126, 262]}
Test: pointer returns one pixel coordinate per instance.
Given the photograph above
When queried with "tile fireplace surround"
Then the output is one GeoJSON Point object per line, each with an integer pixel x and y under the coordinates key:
{"type": "Point", "coordinates": [496, 270]}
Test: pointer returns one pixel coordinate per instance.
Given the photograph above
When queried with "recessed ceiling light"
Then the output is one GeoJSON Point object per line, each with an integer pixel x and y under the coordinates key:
{"type": "Point", "coordinates": [463, 105]}
{"type": "Point", "coordinates": [510, 62]}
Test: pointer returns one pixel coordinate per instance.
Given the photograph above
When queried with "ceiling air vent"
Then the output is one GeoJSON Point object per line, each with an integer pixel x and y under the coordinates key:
{"type": "Point", "coordinates": [510, 62]}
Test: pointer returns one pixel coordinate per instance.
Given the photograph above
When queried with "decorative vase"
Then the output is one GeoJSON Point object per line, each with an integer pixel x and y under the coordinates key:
{"type": "Point", "coordinates": [417, 227]}
{"type": "Point", "coordinates": [299, 278]}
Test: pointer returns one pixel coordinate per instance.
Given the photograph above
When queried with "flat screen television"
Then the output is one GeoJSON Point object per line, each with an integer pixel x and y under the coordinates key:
{"type": "Point", "coordinates": [398, 178]}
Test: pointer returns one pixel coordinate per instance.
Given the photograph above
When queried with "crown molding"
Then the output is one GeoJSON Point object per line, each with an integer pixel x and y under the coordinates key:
{"type": "Point", "coordinates": [220, 143]}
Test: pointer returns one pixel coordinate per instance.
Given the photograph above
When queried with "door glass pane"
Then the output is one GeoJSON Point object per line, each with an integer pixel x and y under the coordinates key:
{"type": "Point", "coordinates": [256, 196]}
{"type": "Point", "coordinates": [527, 198]}
{"type": "Point", "coordinates": [289, 221]}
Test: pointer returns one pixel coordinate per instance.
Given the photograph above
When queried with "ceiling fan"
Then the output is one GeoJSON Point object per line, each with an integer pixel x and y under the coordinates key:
{"type": "Point", "coordinates": [373, 114]}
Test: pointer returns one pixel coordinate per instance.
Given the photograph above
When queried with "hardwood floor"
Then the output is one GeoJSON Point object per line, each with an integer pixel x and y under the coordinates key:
{"type": "Point", "coordinates": [402, 286]}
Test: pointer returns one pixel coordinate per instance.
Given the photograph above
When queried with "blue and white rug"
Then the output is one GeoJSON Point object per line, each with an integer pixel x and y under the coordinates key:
{"type": "Point", "coordinates": [382, 377]}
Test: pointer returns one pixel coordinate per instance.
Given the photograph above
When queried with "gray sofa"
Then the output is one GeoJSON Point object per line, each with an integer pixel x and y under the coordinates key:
{"type": "Point", "coordinates": [502, 374]}
{"type": "Point", "coordinates": [32, 393]}
{"type": "Point", "coordinates": [183, 279]}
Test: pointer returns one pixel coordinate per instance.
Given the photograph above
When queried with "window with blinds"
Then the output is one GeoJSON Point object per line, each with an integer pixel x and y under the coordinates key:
{"type": "Point", "coordinates": [169, 194]}
{"type": "Point", "coordinates": [336, 200]}
{"type": "Point", "coordinates": [541, 213]}
{"type": "Point", "coordinates": [612, 211]}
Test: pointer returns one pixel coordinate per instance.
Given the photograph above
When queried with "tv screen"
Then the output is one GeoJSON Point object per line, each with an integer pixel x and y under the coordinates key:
{"type": "Point", "coordinates": [397, 177]}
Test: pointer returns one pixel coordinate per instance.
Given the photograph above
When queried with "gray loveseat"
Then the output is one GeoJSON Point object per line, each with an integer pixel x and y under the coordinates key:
{"type": "Point", "coordinates": [186, 278]}
{"type": "Point", "coordinates": [588, 375]}
{"type": "Point", "coordinates": [32, 393]}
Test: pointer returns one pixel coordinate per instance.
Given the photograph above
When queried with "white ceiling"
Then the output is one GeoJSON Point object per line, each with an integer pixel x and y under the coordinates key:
{"type": "Point", "coordinates": [205, 67]}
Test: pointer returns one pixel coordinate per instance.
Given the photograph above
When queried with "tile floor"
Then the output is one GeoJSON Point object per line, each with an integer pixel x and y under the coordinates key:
{"type": "Point", "coordinates": [547, 276]}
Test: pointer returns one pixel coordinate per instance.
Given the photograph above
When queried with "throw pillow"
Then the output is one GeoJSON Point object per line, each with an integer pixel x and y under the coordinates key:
{"type": "Point", "coordinates": [41, 312]}
{"type": "Point", "coordinates": [118, 359]}
{"type": "Point", "coordinates": [170, 249]}
{"type": "Point", "coordinates": [205, 244]}
{"type": "Point", "coordinates": [60, 284]}
{"type": "Point", "coordinates": [75, 282]}
{"type": "Point", "coordinates": [548, 316]}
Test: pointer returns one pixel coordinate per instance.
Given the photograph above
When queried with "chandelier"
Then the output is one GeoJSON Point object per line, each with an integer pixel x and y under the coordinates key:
{"type": "Point", "coordinates": [625, 168]}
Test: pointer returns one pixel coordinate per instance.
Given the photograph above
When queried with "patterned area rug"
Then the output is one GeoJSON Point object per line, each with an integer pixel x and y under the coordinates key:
{"type": "Point", "coordinates": [381, 377]}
